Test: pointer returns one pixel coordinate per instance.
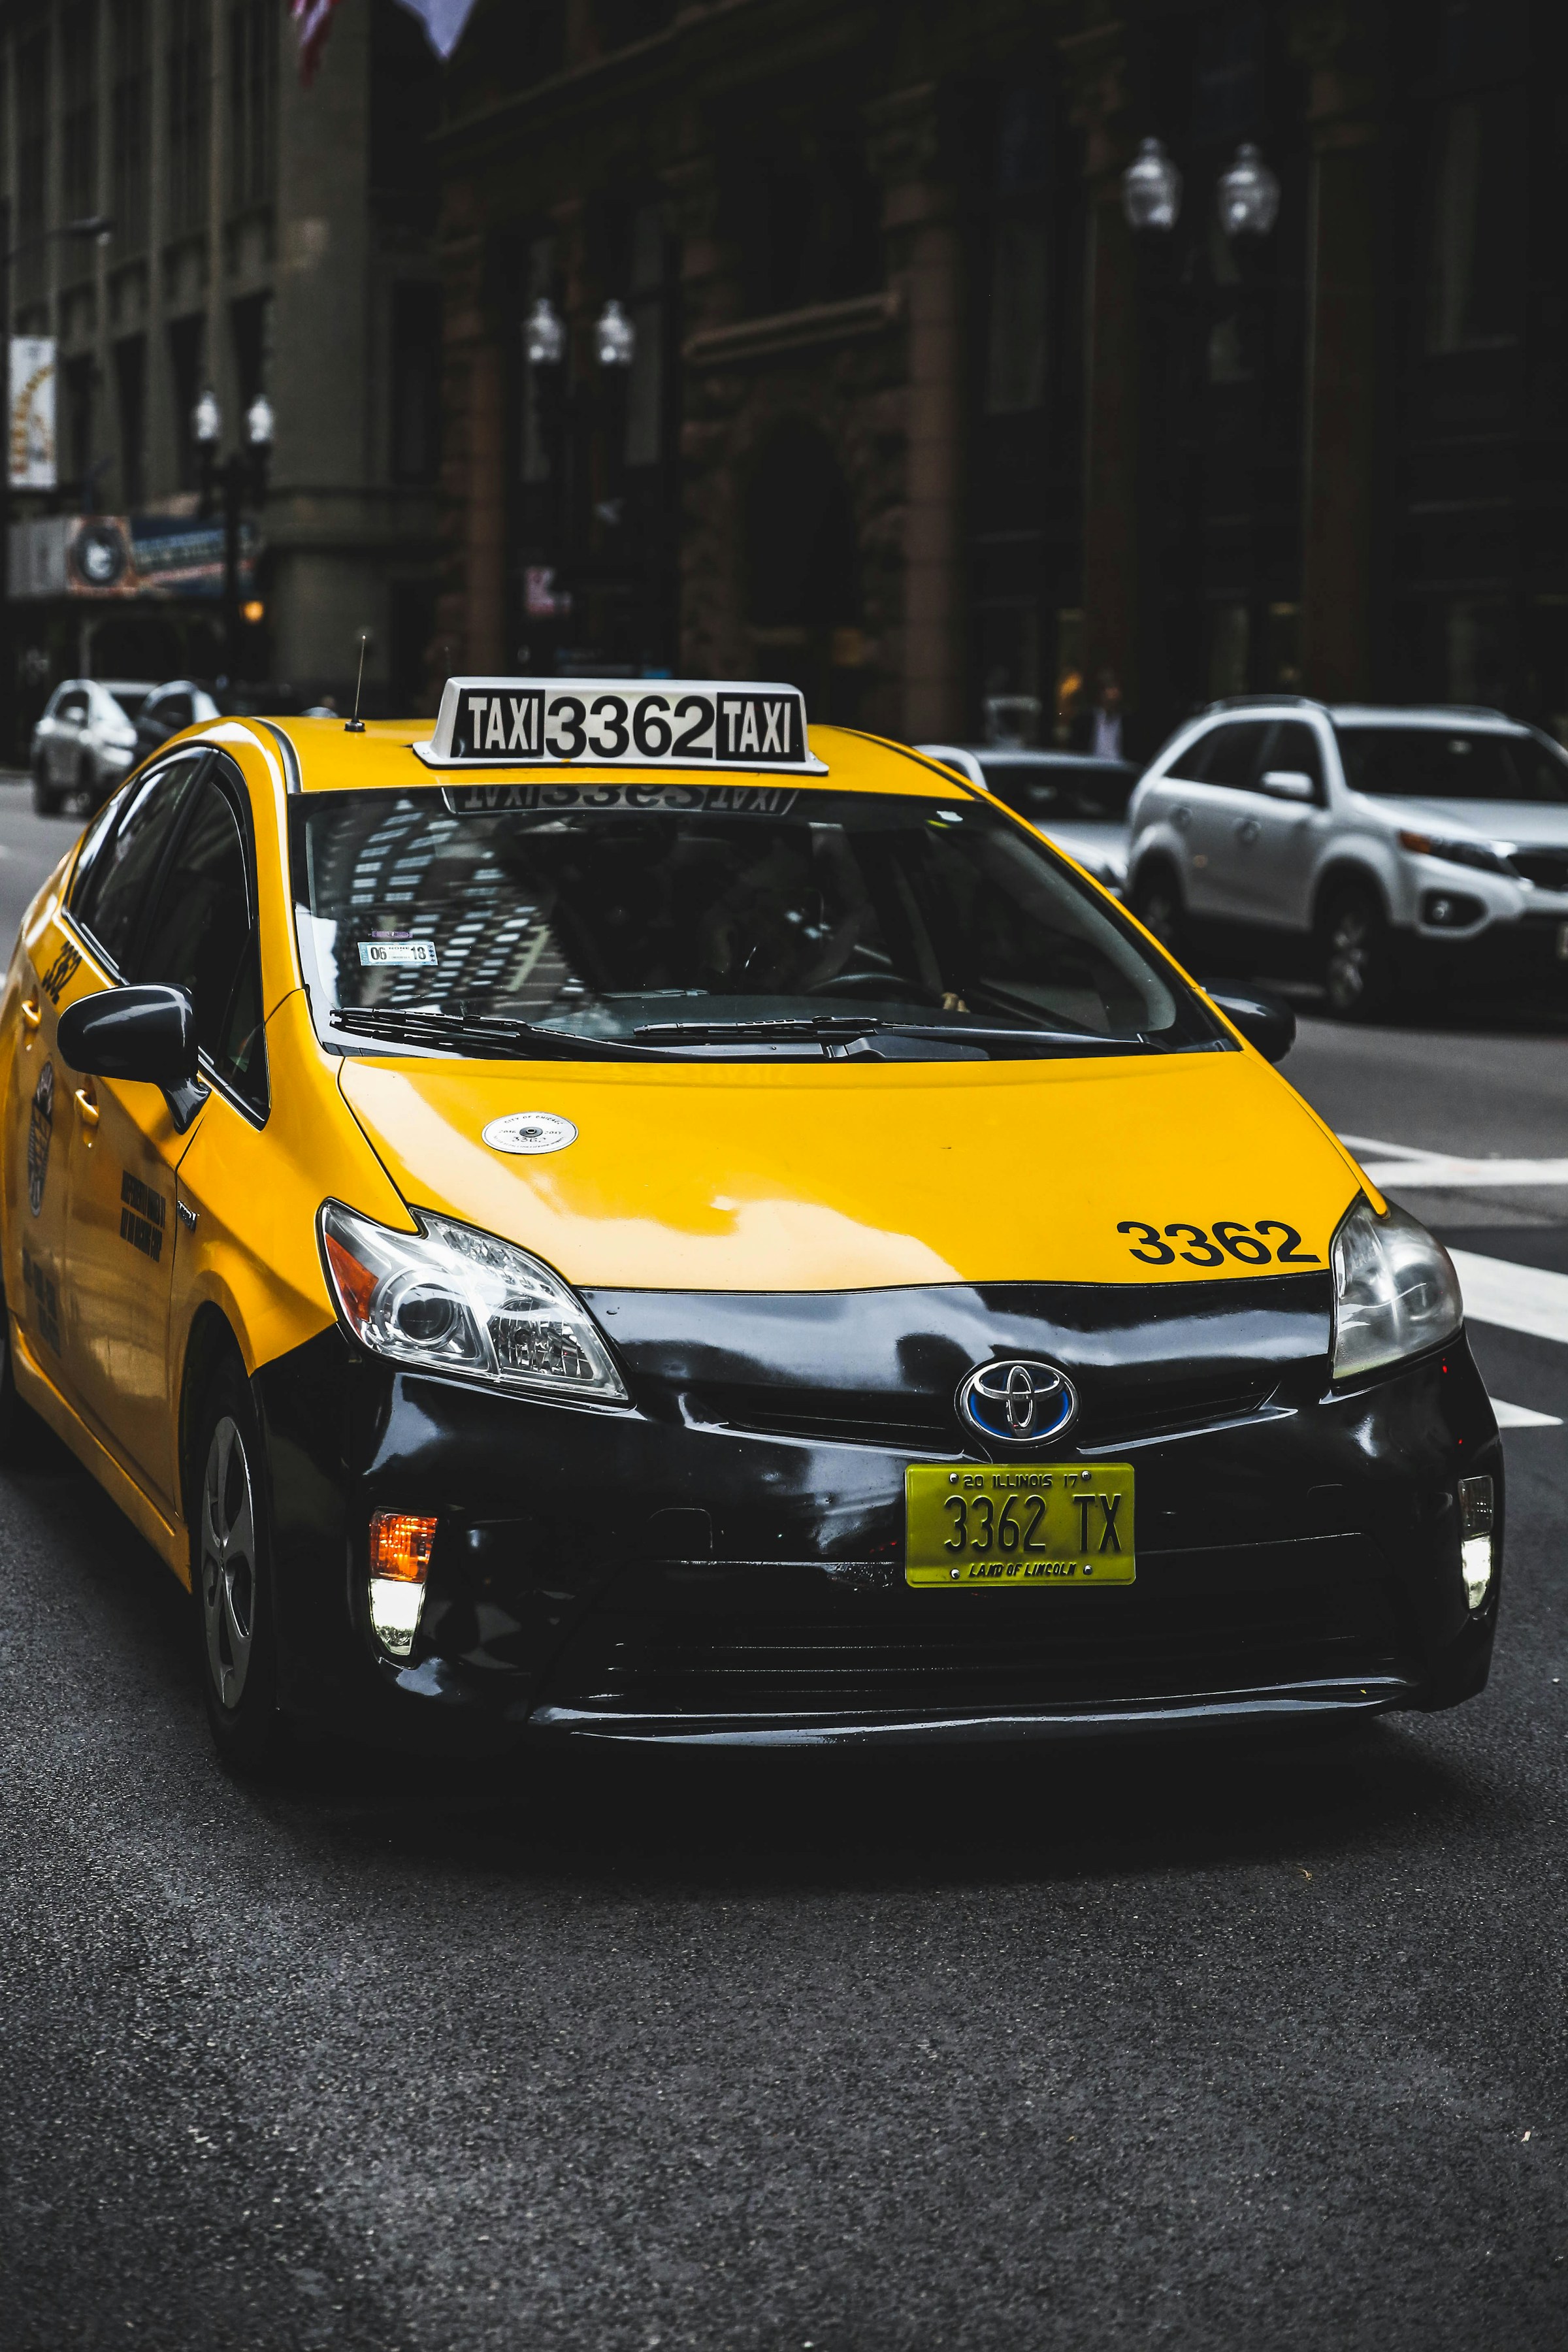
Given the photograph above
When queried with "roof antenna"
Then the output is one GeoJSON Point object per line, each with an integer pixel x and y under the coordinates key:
{"type": "Point", "coordinates": [355, 726]}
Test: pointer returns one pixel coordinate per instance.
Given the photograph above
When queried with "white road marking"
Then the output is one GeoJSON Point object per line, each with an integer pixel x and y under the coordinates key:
{"type": "Point", "coordinates": [1396, 1167]}
{"type": "Point", "coordinates": [1516, 1298]}
{"type": "Point", "coordinates": [1520, 1416]}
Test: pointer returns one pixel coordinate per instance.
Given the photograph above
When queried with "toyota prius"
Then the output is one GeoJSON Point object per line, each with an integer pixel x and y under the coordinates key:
{"type": "Point", "coordinates": [625, 1216]}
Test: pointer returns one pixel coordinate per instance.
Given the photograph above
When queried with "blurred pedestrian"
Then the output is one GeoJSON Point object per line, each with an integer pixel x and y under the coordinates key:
{"type": "Point", "coordinates": [1105, 735]}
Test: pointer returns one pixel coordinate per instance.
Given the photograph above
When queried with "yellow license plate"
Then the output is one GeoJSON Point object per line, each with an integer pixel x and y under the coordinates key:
{"type": "Point", "coordinates": [1042, 1525]}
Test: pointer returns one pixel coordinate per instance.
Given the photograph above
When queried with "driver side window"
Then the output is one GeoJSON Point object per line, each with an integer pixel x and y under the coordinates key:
{"type": "Point", "coordinates": [119, 862]}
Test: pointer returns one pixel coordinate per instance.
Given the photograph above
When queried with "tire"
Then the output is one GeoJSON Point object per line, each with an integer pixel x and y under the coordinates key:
{"type": "Point", "coordinates": [46, 800]}
{"type": "Point", "coordinates": [20, 1430]}
{"type": "Point", "coordinates": [231, 1576]}
{"type": "Point", "coordinates": [1157, 902]}
{"type": "Point", "coordinates": [1355, 954]}
{"type": "Point", "coordinates": [87, 792]}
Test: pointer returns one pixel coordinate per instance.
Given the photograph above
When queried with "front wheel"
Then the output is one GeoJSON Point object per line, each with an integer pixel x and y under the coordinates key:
{"type": "Point", "coordinates": [46, 800]}
{"type": "Point", "coordinates": [231, 1577]}
{"type": "Point", "coordinates": [1157, 903]}
{"type": "Point", "coordinates": [1356, 954]}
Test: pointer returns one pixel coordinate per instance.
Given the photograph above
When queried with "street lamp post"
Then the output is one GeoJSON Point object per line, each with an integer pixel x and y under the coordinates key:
{"type": "Point", "coordinates": [242, 474]}
{"type": "Point", "coordinates": [562, 405]}
{"type": "Point", "coordinates": [99, 227]}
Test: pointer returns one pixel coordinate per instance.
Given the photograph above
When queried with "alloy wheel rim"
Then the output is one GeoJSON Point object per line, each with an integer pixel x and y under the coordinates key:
{"type": "Point", "coordinates": [228, 1562]}
{"type": "Point", "coordinates": [1349, 949]}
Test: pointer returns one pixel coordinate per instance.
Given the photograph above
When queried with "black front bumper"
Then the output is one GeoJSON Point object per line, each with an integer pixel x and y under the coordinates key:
{"type": "Point", "coordinates": [723, 1561]}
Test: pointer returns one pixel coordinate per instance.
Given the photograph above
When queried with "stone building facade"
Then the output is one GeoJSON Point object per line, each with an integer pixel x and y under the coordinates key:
{"type": "Point", "coordinates": [917, 419]}
{"type": "Point", "coordinates": [266, 238]}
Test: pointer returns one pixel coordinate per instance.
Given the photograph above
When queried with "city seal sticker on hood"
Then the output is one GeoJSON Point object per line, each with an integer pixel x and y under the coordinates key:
{"type": "Point", "coordinates": [508, 722]}
{"type": "Point", "coordinates": [530, 1131]}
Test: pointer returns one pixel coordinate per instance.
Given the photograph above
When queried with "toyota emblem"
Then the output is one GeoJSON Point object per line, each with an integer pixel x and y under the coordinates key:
{"type": "Point", "coordinates": [1019, 1401]}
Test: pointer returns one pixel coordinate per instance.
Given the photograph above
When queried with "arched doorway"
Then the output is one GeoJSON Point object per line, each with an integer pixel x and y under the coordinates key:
{"type": "Point", "coordinates": [803, 572]}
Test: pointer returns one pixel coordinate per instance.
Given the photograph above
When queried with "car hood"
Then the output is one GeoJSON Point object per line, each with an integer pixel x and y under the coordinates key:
{"type": "Point", "coordinates": [1531, 824]}
{"type": "Point", "coordinates": [834, 1177]}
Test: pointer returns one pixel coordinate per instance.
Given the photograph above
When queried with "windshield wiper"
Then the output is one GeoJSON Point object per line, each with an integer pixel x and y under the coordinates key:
{"type": "Point", "coordinates": [492, 1036]}
{"type": "Point", "coordinates": [851, 1028]}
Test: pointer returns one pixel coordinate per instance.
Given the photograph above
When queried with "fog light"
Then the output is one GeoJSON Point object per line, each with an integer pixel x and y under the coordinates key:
{"type": "Point", "coordinates": [1476, 1538]}
{"type": "Point", "coordinates": [400, 1547]}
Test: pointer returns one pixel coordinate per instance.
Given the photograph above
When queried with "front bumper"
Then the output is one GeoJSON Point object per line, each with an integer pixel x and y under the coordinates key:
{"type": "Point", "coordinates": [719, 1565]}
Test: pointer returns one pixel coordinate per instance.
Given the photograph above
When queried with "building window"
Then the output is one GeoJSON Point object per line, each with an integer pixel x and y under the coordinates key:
{"type": "Point", "coordinates": [131, 401]}
{"type": "Point", "coordinates": [187, 98]}
{"type": "Point", "coordinates": [250, 325]}
{"type": "Point", "coordinates": [253, 97]}
{"type": "Point", "coordinates": [416, 382]}
{"type": "Point", "coordinates": [79, 402]}
{"type": "Point", "coordinates": [128, 102]}
{"type": "Point", "coordinates": [1474, 283]}
{"type": "Point", "coordinates": [79, 126]}
{"type": "Point", "coordinates": [809, 216]}
{"type": "Point", "coordinates": [187, 352]}
{"type": "Point", "coordinates": [1017, 262]}
{"type": "Point", "coordinates": [32, 161]}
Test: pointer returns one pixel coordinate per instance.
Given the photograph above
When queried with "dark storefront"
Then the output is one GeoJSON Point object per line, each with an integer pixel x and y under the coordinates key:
{"type": "Point", "coordinates": [908, 412]}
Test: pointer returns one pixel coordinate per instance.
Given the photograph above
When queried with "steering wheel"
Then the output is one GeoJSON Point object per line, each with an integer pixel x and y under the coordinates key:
{"type": "Point", "coordinates": [891, 987]}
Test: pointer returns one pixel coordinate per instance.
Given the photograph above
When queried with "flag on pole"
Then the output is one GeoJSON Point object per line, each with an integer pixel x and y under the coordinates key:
{"type": "Point", "coordinates": [314, 18]}
{"type": "Point", "coordinates": [443, 21]}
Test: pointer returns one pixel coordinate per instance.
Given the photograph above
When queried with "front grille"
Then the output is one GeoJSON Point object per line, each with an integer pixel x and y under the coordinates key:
{"type": "Point", "coordinates": [1112, 1415]}
{"type": "Point", "coordinates": [1547, 869]}
{"type": "Point", "coordinates": [956, 1653]}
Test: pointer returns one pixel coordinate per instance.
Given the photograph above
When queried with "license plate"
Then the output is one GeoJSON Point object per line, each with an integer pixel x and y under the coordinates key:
{"type": "Point", "coordinates": [1039, 1525]}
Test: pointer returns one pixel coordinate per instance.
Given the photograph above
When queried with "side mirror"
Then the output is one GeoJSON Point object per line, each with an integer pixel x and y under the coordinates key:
{"type": "Point", "coordinates": [1288, 784]}
{"type": "Point", "coordinates": [1263, 1021]}
{"type": "Point", "coordinates": [147, 1035]}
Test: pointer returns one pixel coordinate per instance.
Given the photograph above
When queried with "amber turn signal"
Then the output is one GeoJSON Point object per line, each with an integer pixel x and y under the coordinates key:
{"type": "Point", "coordinates": [400, 1549]}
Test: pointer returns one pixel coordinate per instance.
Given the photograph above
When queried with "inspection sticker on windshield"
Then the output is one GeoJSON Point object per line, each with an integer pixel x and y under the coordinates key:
{"type": "Point", "coordinates": [530, 1131]}
{"type": "Point", "coordinates": [378, 951]}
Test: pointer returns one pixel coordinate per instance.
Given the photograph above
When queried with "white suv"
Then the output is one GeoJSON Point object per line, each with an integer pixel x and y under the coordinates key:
{"type": "Point", "coordinates": [1369, 847]}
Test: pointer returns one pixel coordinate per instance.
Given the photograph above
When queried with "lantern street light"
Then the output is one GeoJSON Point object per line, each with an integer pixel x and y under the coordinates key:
{"type": "Point", "coordinates": [615, 336]}
{"type": "Point", "coordinates": [1151, 190]}
{"type": "Point", "coordinates": [1247, 194]}
{"type": "Point", "coordinates": [242, 474]}
{"type": "Point", "coordinates": [543, 336]}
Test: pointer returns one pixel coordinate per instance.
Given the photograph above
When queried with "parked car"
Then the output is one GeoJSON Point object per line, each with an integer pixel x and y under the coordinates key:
{"type": "Point", "coordinates": [1078, 802]}
{"type": "Point", "coordinates": [86, 742]}
{"type": "Point", "coordinates": [1369, 847]}
{"type": "Point", "coordinates": [179, 703]}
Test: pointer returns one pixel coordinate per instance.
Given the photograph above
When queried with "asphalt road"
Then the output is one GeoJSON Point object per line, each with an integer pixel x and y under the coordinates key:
{"type": "Point", "coordinates": [1230, 2048]}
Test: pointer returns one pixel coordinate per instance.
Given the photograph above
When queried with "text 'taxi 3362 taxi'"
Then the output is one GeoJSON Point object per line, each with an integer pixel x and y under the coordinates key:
{"type": "Point", "coordinates": [625, 1217]}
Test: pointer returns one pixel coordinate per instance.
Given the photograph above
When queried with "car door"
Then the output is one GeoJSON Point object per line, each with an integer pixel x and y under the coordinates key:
{"type": "Point", "coordinates": [1279, 836]}
{"type": "Point", "coordinates": [1216, 771]}
{"type": "Point", "coordinates": [122, 1143]}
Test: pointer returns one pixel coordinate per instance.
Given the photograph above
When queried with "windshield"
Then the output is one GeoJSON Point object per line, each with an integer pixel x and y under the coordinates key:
{"type": "Point", "coordinates": [129, 698]}
{"type": "Point", "coordinates": [671, 917]}
{"type": "Point", "coordinates": [1436, 763]}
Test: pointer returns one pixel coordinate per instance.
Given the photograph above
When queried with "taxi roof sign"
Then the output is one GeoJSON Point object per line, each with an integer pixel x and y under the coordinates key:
{"type": "Point", "coordinates": [504, 722]}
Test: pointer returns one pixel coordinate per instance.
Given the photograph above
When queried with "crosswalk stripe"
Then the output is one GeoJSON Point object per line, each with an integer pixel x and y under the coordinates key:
{"type": "Point", "coordinates": [1526, 1298]}
{"type": "Point", "coordinates": [1520, 1416]}
{"type": "Point", "coordinates": [1396, 1167]}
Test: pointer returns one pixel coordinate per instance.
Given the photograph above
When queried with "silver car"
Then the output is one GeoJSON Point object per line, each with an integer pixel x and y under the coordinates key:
{"type": "Point", "coordinates": [1372, 848]}
{"type": "Point", "coordinates": [1076, 801]}
{"type": "Point", "coordinates": [86, 742]}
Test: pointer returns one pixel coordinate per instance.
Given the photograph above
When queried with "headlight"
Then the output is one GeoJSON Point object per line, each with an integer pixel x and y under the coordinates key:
{"type": "Point", "coordinates": [451, 1300]}
{"type": "Point", "coordinates": [1484, 856]}
{"type": "Point", "coordinates": [1396, 1291]}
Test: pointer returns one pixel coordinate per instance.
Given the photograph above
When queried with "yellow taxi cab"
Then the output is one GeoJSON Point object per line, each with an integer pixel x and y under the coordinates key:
{"type": "Point", "coordinates": [628, 1216]}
